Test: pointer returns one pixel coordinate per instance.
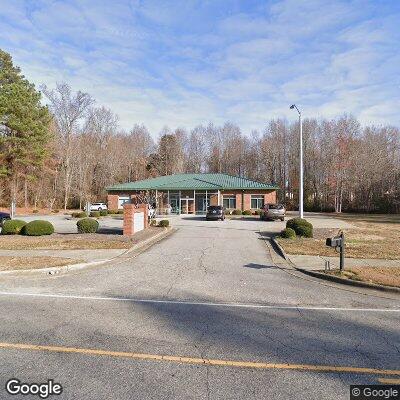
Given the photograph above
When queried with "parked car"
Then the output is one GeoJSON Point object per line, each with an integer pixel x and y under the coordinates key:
{"type": "Point", "coordinates": [215, 212]}
{"type": "Point", "coordinates": [3, 217]}
{"type": "Point", "coordinates": [97, 207]}
{"type": "Point", "coordinates": [273, 211]}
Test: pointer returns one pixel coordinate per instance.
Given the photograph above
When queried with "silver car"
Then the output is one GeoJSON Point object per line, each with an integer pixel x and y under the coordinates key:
{"type": "Point", "coordinates": [273, 211]}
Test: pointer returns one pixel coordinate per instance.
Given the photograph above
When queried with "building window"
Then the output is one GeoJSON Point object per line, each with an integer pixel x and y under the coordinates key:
{"type": "Point", "coordinates": [257, 201]}
{"type": "Point", "coordinates": [229, 202]}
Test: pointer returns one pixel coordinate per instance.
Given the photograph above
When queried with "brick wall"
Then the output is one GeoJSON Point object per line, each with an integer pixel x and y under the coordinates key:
{"type": "Point", "coordinates": [129, 211]}
{"type": "Point", "coordinates": [112, 201]}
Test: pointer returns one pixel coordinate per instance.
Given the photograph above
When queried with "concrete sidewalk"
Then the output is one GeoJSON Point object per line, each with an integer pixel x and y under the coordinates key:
{"type": "Point", "coordinates": [317, 263]}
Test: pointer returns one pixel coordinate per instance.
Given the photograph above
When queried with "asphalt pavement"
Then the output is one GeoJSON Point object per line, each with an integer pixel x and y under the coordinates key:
{"type": "Point", "coordinates": [246, 324]}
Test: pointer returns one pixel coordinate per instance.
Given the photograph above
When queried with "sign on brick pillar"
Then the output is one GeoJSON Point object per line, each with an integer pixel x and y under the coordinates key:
{"type": "Point", "coordinates": [130, 210]}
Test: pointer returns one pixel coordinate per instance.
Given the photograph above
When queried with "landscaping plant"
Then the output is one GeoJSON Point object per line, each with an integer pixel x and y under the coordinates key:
{"type": "Point", "coordinates": [237, 212]}
{"type": "Point", "coordinates": [288, 233]}
{"type": "Point", "coordinates": [164, 223]}
{"type": "Point", "coordinates": [301, 227]}
{"type": "Point", "coordinates": [12, 227]}
{"type": "Point", "coordinates": [246, 212]}
{"type": "Point", "coordinates": [87, 225]}
{"type": "Point", "coordinates": [38, 228]}
{"type": "Point", "coordinates": [95, 214]}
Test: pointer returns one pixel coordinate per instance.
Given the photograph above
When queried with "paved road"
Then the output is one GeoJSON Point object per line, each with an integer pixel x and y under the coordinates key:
{"type": "Point", "coordinates": [213, 291]}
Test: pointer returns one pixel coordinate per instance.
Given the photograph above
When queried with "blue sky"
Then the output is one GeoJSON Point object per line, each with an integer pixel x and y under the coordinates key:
{"type": "Point", "coordinates": [183, 63]}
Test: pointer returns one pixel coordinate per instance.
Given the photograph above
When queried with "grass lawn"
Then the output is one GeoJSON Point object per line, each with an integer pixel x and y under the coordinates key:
{"type": "Point", "coordinates": [374, 236]}
{"type": "Point", "coordinates": [9, 263]}
{"type": "Point", "coordinates": [74, 241]}
{"type": "Point", "coordinates": [388, 276]}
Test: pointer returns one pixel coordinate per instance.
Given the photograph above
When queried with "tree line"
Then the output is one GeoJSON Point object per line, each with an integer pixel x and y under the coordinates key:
{"type": "Point", "coordinates": [66, 153]}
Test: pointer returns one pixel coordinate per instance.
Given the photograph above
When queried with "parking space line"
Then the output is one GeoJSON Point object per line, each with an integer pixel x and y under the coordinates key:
{"type": "Point", "coordinates": [199, 361]}
{"type": "Point", "coordinates": [197, 303]}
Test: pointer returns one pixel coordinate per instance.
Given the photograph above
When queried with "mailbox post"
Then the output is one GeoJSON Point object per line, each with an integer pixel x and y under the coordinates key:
{"type": "Point", "coordinates": [338, 243]}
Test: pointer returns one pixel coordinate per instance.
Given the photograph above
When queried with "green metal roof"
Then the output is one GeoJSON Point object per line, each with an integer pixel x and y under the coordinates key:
{"type": "Point", "coordinates": [193, 181]}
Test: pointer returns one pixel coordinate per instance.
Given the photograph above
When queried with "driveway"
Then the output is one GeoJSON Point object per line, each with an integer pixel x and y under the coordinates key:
{"type": "Point", "coordinates": [214, 293]}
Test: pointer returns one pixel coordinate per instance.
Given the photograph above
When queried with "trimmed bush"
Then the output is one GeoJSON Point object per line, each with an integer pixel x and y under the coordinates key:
{"type": "Point", "coordinates": [237, 212]}
{"type": "Point", "coordinates": [164, 223]}
{"type": "Point", "coordinates": [120, 211]}
{"type": "Point", "coordinates": [246, 212]}
{"type": "Point", "coordinates": [256, 212]}
{"type": "Point", "coordinates": [12, 226]}
{"type": "Point", "coordinates": [113, 211]}
{"type": "Point", "coordinates": [153, 222]}
{"type": "Point", "coordinates": [79, 214]}
{"type": "Point", "coordinates": [95, 214]}
{"type": "Point", "coordinates": [288, 233]}
{"type": "Point", "coordinates": [103, 213]}
{"type": "Point", "coordinates": [87, 225]}
{"type": "Point", "coordinates": [305, 231]}
{"type": "Point", "coordinates": [56, 211]}
{"type": "Point", "coordinates": [35, 211]}
{"type": "Point", "coordinates": [38, 228]}
{"type": "Point", "coordinates": [301, 227]}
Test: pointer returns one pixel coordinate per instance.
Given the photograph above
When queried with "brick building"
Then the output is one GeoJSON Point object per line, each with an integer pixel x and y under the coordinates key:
{"type": "Point", "coordinates": [192, 193]}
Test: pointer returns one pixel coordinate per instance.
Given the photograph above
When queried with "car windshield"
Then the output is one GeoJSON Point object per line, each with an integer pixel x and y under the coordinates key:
{"type": "Point", "coordinates": [213, 208]}
{"type": "Point", "coordinates": [275, 206]}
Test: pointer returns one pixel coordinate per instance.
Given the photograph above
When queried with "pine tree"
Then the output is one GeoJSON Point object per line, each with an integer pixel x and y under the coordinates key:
{"type": "Point", "coordinates": [24, 125]}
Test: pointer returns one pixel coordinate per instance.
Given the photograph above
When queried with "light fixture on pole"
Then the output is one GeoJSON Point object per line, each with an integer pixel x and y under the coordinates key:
{"type": "Point", "coordinates": [293, 106]}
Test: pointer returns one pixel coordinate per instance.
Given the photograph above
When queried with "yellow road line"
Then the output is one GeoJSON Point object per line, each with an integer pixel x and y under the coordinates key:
{"type": "Point", "coordinates": [202, 361]}
{"type": "Point", "coordinates": [389, 381]}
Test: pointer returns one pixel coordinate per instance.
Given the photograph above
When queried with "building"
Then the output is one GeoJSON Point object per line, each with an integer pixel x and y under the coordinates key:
{"type": "Point", "coordinates": [192, 193]}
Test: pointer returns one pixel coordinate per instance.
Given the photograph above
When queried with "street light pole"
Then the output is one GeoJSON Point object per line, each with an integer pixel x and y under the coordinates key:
{"type": "Point", "coordinates": [301, 213]}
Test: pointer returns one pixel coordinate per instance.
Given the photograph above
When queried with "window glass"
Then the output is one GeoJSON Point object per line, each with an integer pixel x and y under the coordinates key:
{"type": "Point", "coordinates": [229, 201]}
{"type": "Point", "coordinates": [257, 201]}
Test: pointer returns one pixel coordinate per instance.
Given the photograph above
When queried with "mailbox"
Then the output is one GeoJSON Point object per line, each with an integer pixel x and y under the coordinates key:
{"type": "Point", "coordinates": [334, 241]}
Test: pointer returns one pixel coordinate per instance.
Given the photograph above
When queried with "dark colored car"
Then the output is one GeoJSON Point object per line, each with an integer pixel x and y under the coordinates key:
{"type": "Point", "coordinates": [4, 216]}
{"type": "Point", "coordinates": [215, 212]}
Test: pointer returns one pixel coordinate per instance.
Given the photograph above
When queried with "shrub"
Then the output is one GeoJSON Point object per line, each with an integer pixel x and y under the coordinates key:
{"type": "Point", "coordinates": [164, 223]}
{"type": "Point", "coordinates": [120, 211]}
{"type": "Point", "coordinates": [153, 222]}
{"type": "Point", "coordinates": [301, 227]}
{"type": "Point", "coordinates": [87, 225]}
{"type": "Point", "coordinates": [305, 231]}
{"type": "Point", "coordinates": [113, 211]}
{"type": "Point", "coordinates": [288, 233]}
{"type": "Point", "coordinates": [246, 212]}
{"type": "Point", "coordinates": [38, 228]}
{"type": "Point", "coordinates": [237, 212]}
{"type": "Point", "coordinates": [95, 214]}
{"type": "Point", "coordinates": [12, 226]}
{"type": "Point", "coordinates": [55, 211]}
{"type": "Point", "coordinates": [80, 214]}
{"type": "Point", "coordinates": [35, 211]}
{"type": "Point", "coordinates": [256, 212]}
{"type": "Point", "coordinates": [103, 213]}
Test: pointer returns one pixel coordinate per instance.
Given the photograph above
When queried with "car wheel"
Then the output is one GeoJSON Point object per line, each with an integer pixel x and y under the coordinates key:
{"type": "Point", "coordinates": [282, 219]}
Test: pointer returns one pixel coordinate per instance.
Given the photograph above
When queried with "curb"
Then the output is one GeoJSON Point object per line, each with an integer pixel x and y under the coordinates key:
{"type": "Point", "coordinates": [279, 249]}
{"type": "Point", "coordinates": [75, 267]}
{"type": "Point", "coordinates": [332, 278]}
{"type": "Point", "coordinates": [349, 282]}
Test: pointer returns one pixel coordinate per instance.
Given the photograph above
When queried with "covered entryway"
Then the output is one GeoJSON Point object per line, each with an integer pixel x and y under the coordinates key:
{"type": "Point", "coordinates": [187, 206]}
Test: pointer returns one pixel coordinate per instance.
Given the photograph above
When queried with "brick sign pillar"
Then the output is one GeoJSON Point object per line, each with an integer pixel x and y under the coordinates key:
{"type": "Point", "coordinates": [129, 216]}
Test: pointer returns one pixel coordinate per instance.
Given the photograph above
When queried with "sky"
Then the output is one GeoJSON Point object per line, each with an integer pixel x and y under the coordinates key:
{"type": "Point", "coordinates": [182, 63]}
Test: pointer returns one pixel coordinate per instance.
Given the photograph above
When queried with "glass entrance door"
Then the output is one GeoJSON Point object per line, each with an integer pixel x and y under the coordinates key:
{"type": "Point", "coordinates": [187, 206]}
